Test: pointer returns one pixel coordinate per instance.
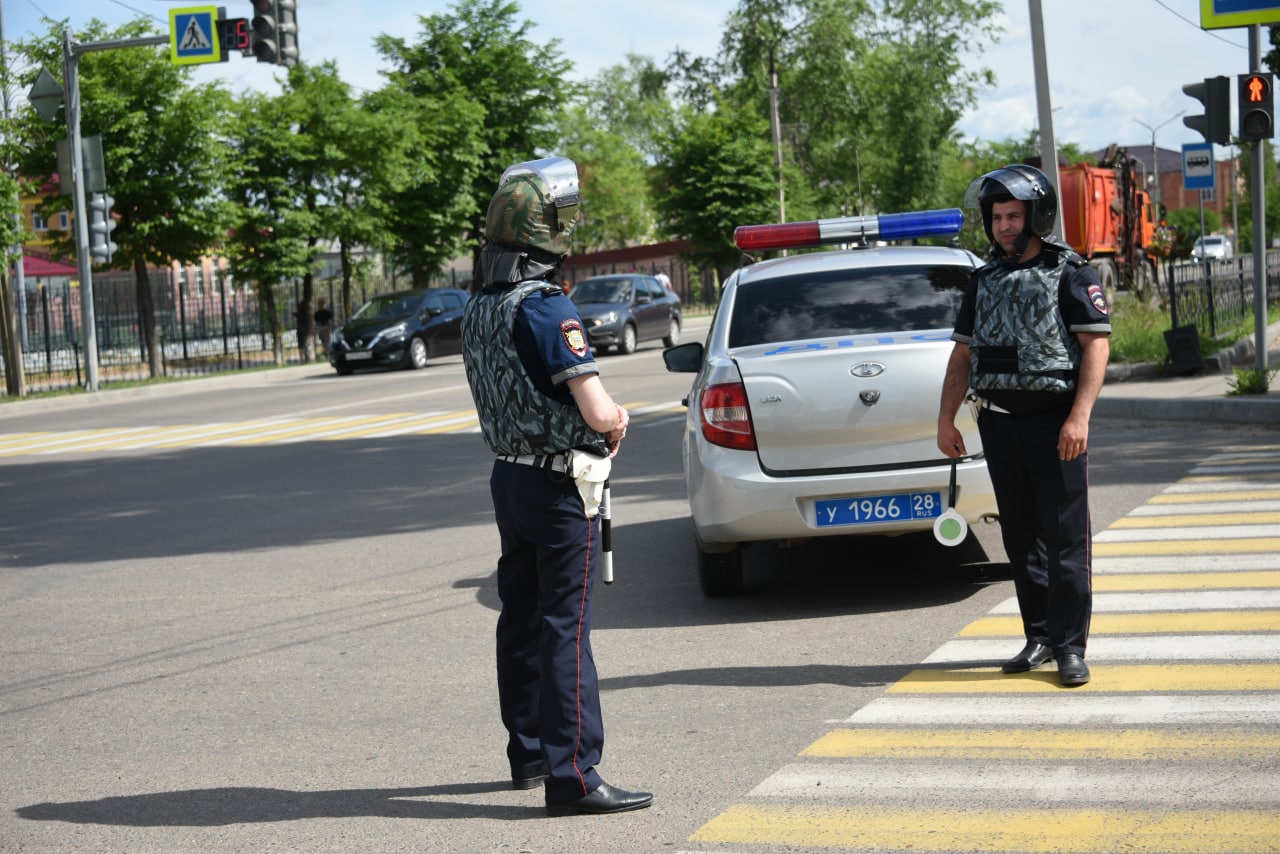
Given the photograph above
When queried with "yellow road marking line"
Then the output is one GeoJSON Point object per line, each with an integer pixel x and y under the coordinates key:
{"type": "Point", "coordinates": [1200, 547]}
{"type": "Point", "coordinates": [1016, 743]}
{"type": "Point", "coordinates": [1002, 830]}
{"type": "Point", "coordinates": [1184, 520]}
{"type": "Point", "coordinates": [1186, 580]}
{"type": "Point", "coordinates": [1203, 497]}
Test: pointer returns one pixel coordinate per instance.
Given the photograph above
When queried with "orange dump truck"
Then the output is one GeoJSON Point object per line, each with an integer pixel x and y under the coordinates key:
{"type": "Point", "coordinates": [1107, 218]}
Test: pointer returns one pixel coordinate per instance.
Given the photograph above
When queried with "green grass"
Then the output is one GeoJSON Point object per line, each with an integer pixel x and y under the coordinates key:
{"type": "Point", "coordinates": [1137, 331]}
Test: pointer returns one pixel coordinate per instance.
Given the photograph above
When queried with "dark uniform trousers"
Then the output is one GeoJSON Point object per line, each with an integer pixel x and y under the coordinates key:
{"type": "Point", "coordinates": [547, 685]}
{"type": "Point", "coordinates": [1044, 523]}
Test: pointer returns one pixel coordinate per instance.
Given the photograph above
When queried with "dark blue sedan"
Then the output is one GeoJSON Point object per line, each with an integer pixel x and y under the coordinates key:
{"type": "Point", "coordinates": [623, 310]}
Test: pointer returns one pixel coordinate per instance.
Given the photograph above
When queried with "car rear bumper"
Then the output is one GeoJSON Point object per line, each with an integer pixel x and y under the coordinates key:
{"type": "Point", "coordinates": [733, 501]}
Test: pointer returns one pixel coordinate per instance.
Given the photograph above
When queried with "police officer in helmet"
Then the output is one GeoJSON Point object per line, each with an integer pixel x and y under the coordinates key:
{"type": "Point", "coordinates": [1031, 352]}
{"type": "Point", "coordinates": [545, 414]}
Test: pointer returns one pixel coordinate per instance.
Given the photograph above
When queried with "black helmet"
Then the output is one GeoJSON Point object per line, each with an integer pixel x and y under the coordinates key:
{"type": "Point", "coordinates": [1021, 182]}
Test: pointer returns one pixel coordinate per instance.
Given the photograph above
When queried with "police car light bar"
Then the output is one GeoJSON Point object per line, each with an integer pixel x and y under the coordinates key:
{"type": "Point", "coordinates": [850, 229]}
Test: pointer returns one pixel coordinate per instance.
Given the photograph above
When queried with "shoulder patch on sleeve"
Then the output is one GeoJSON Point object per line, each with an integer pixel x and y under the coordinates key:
{"type": "Point", "coordinates": [574, 338]}
{"type": "Point", "coordinates": [1099, 298]}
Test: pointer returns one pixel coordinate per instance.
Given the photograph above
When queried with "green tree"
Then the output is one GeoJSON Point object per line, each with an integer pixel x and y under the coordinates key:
{"type": "Point", "coordinates": [1271, 190]}
{"type": "Point", "coordinates": [273, 224]}
{"type": "Point", "coordinates": [489, 96]}
{"type": "Point", "coordinates": [715, 175]}
{"type": "Point", "coordinates": [161, 147]}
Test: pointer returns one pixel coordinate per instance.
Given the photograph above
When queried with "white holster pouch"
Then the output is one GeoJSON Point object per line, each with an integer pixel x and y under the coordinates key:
{"type": "Point", "coordinates": [589, 474]}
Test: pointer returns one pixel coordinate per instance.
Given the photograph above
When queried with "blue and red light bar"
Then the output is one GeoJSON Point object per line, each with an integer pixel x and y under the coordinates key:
{"type": "Point", "coordinates": [850, 229]}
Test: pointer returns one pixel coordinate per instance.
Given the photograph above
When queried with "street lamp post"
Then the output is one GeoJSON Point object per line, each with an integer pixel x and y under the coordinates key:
{"type": "Point", "coordinates": [1155, 157]}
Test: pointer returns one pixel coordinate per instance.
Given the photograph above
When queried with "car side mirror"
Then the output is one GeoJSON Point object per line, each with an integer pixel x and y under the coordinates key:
{"type": "Point", "coordinates": [644, 297]}
{"type": "Point", "coordinates": [434, 311]}
{"type": "Point", "coordinates": [683, 358]}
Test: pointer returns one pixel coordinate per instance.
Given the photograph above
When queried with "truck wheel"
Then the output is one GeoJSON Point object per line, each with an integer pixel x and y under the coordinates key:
{"type": "Point", "coordinates": [1107, 276]}
{"type": "Point", "coordinates": [720, 573]}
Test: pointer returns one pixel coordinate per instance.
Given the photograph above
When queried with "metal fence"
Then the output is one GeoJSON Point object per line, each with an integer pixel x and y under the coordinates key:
{"type": "Point", "coordinates": [1216, 296]}
{"type": "Point", "coordinates": [200, 329]}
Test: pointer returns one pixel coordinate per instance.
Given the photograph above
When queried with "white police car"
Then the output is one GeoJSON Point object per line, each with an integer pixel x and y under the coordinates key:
{"type": "Point", "coordinates": [814, 411]}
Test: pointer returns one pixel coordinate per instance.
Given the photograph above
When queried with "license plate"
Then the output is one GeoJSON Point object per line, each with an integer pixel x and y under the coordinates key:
{"type": "Point", "coordinates": [878, 509]}
{"type": "Point", "coordinates": [358, 355]}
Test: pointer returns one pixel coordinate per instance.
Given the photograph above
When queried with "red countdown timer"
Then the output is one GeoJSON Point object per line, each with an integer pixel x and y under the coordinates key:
{"type": "Point", "coordinates": [233, 33]}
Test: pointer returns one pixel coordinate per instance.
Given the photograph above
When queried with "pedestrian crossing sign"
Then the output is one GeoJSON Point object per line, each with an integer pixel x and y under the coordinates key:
{"type": "Point", "coordinates": [193, 36]}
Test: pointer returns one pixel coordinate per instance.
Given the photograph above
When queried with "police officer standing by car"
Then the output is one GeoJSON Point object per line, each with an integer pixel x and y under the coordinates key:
{"type": "Point", "coordinates": [545, 413]}
{"type": "Point", "coordinates": [1031, 343]}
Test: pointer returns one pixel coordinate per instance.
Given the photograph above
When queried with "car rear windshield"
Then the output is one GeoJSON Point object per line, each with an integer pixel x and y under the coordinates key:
{"type": "Point", "coordinates": [847, 302]}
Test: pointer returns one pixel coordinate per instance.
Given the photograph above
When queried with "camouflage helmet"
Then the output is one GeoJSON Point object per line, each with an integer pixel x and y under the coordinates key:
{"type": "Point", "coordinates": [536, 206]}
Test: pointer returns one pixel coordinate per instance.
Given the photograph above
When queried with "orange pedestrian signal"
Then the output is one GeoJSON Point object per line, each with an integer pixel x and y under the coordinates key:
{"type": "Point", "coordinates": [1256, 105]}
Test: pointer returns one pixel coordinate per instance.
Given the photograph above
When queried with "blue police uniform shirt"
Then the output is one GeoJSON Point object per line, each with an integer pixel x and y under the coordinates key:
{"type": "Point", "coordinates": [552, 344]}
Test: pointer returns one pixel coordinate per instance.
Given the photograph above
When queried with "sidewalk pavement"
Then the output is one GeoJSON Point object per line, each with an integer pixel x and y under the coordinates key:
{"type": "Point", "coordinates": [1143, 392]}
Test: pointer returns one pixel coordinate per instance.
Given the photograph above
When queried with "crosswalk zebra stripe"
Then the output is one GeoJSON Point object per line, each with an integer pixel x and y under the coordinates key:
{"type": "Point", "coordinates": [1016, 742]}
{"type": "Point", "coordinates": [1218, 508]}
{"type": "Point", "coordinates": [1186, 581]}
{"type": "Point", "coordinates": [1073, 708]}
{"type": "Point", "coordinates": [997, 829]}
{"type": "Point", "coordinates": [1208, 600]}
{"type": "Point", "coordinates": [1107, 648]}
{"type": "Point", "coordinates": [1184, 563]}
{"type": "Point", "coordinates": [991, 783]}
{"type": "Point", "coordinates": [1121, 534]}
{"type": "Point", "coordinates": [1121, 678]}
{"type": "Point", "coordinates": [1185, 622]}
{"type": "Point", "coordinates": [1170, 545]}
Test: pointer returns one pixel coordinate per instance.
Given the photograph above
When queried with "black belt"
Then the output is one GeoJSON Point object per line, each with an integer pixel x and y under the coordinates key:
{"type": "Point", "coordinates": [553, 462]}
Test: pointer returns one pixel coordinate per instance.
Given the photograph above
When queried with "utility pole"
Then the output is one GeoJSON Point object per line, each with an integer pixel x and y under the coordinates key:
{"type": "Point", "coordinates": [1258, 191]}
{"type": "Point", "coordinates": [1048, 146]}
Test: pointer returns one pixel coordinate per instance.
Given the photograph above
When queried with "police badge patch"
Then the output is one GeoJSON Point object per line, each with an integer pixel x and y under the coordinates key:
{"type": "Point", "coordinates": [1098, 298]}
{"type": "Point", "coordinates": [574, 337]}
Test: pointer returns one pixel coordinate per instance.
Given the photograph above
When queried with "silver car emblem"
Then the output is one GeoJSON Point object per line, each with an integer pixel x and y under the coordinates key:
{"type": "Point", "coordinates": [870, 398]}
{"type": "Point", "coordinates": [867, 369]}
{"type": "Point", "coordinates": [771, 398]}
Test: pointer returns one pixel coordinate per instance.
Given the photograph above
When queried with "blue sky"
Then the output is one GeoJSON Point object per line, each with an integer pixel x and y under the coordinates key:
{"type": "Point", "coordinates": [1114, 65]}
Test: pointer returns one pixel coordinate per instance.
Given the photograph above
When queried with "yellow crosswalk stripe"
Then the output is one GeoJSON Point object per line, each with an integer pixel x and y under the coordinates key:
{"type": "Point", "coordinates": [1186, 581]}
{"type": "Point", "coordinates": [1126, 678]}
{"type": "Point", "coordinates": [1176, 622]}
{"type": "Point", "coordinates": [997, 830]}
{"type": "Point", "coordinates": [1209, 497]}
{"type": "Point", "coordinates": [1255, 545]}
{"type": "Point", "coordinates": [1185, 520]}
{"type": "Point", "coordinates": [1019, 743]}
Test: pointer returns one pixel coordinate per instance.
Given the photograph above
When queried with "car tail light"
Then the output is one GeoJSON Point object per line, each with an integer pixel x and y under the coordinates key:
{"type": "Point", "coordinates": [726, 418]}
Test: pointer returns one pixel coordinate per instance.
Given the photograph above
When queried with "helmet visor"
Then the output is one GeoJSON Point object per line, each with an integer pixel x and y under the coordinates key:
{"type": "Point", "coordinates": [559, 174]}
{"type": "Point", "coordinates": [1019, 185]}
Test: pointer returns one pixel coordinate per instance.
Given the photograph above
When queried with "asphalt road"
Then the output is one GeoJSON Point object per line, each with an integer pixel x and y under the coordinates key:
{"type": "Point", "coordinates": [230, 623]}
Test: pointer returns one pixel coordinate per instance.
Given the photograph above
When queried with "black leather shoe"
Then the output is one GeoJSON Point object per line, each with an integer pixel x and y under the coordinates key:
{"type": "Point", "coordinates": [1072, 670]}
{"type": "Point", "coordinates": [605, 799]}
{"type": "Point", "coordinates": [1032, 656]}
{"type": "Point", "coordinates": [531, 782]}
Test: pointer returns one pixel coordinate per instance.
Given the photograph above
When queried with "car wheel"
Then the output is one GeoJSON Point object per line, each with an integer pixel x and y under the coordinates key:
{"type": "Point", "coordinates": [673, 333]}
{"type": "Point", "coordinates": [720, 573]}
{"type": "Point", "coordinates": [417, 354]}
{"type": "Point", "coordinates": [627, 345]}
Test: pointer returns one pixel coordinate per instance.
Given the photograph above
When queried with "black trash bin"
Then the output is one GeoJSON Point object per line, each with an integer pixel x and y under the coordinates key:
{"type": "Point", "coordinates": [1183, 344]}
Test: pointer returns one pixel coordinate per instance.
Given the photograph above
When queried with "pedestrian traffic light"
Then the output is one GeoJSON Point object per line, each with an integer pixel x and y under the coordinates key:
{"type": "Point", "coordinates": [1215, 94]}
{"type": "Point", "coordinates": [100, 227]}
{"type": "Point", "coordinates": [266, 31]}
{"type": "Point", "coordinates": [287, 18]}
{"type": "Point", "coordinates": [1257, 106]}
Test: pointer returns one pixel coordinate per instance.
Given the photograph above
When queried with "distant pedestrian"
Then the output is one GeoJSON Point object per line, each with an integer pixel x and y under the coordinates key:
{"type": "Point", "coordinates": [665, 279]}
{"type": "Point", "coordinates": [301, 318]}
{"type": "Point", "coordinates": [324, 327]}
{"type": "Point", "coordinates": [1032, 342]}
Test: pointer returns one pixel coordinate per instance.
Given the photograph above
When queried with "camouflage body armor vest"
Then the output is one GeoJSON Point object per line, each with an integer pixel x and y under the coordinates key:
{"type": "Point", "coordinates": [1020, 341]}
{"type": "Point", "coordinates": [515, 417]}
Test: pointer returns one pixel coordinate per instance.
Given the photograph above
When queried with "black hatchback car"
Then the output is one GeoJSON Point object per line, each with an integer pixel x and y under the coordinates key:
{"type": "Point", "coordinates": [402, 329]}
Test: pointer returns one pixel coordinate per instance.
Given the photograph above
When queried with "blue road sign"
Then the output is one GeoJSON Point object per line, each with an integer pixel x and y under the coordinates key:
{"type": "Point", "coordinates": [1197, 166]}
{"type": "Point", "coordinates": [193, 38]}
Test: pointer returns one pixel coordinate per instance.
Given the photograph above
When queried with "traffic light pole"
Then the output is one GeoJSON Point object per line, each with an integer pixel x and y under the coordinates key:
{"type": "Point", "coordinates": [71, 52]}
{"type": "Point", "coordinates": [1258, 192]}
